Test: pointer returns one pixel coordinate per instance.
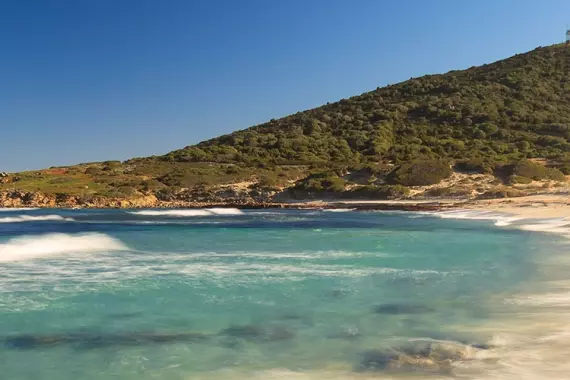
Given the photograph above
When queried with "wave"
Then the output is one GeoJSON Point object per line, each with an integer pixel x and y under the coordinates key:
{"type": "Point", "coordinates": [338, 210]}
{"type": "Point", "coordinates": [189, 212]}
{"type": "Point", "coordinates": [33, 247]}
{"type": "Point", "coordinates": [225, 211]}
{"type": "Point", "coordinates": [8, 209]}
{"type": "Point", "coordinates": [501, 220]}
{"type": "Point", "coordinates": [37, 218]}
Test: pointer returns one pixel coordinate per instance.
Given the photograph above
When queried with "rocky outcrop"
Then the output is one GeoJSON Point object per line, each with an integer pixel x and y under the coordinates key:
{"type": "Point", "coordinates": [196, 198]}
{"type": "Point", "coordinates": [424, 356]}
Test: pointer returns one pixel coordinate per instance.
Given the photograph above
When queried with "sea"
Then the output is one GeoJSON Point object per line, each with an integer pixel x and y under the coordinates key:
{"type": "Point", "coordinates": [183, 294]}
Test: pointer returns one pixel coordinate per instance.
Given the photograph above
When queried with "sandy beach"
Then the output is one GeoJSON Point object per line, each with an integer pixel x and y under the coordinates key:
{"type": "Point", "coordinates": [536, 206]}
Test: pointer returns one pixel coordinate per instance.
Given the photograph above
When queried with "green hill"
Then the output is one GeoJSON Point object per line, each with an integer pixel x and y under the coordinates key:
{"type": "Point", "coordinates": [519, 107]}
{"type": "Point", "coordinates": [487, 119]}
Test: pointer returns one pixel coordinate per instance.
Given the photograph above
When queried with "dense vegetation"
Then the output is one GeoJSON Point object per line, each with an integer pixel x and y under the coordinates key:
{"type": "Point", "coordinates": [512, 109]}
{"type": "Point", "coordinates": [488, 119]}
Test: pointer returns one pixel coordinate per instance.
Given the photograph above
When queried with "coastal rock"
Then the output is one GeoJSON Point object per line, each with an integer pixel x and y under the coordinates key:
{"type": "Point", "coordinates": [88, 340]}
{"type": "Point", "coordinates": [258, 334]}
{"type": "Point", "coordinates": [247, 332]}
{"type": "Point", "coordinates": [428, 356]}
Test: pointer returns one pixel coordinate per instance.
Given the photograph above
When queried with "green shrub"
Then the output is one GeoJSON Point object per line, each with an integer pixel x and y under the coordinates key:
{"type": "Point", "coordinates": [378, 192]}
{"type": "Point", "coordinates": [536, 171]}
{"type": "Point", "coordinates": [421, 173]}
{"type": "Point", "coordinates": [322, 182]}
{"type": "Point", "coordinates": [476, 165]}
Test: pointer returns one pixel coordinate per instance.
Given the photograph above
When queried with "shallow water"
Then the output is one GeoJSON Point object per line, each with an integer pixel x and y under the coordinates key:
{"type": "Point", "coordinates": [224, 294]}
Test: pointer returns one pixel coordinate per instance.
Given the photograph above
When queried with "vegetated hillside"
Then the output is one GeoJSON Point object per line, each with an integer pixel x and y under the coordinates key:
{"type": "Point", "coordinates": [385, 143]}
{"type": "Point", "coordinates": [511, 109]}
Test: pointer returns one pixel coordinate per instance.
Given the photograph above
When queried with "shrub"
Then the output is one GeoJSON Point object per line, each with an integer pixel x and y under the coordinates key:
{"type": "Point", "coordinates": [536, 171]}
{"type": "Point", "coordinates": [421, 173]}
{"type": "Point", "coordinates": [378, 192]}
{"type": "Point", "coordinates": [322, 182]}
{"type": "Point", "coordinates": [476, 165]}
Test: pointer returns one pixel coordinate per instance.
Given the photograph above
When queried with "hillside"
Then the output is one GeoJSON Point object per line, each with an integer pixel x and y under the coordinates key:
{"type": "Point", "coordinates": [431, 136]}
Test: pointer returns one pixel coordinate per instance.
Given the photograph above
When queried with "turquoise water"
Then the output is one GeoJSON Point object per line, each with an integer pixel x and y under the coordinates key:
{"type": "Point", "coordinates": [254, 294]}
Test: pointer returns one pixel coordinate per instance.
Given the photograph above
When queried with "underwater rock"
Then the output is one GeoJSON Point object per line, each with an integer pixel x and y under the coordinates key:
{"type": "Point", "coordinates": [376, 360]}
{"type": "Point", "coordinates": [421, 355]}
{"type": "Point", "coordinates": [33, 341]}
{"type": "Point", "coordinates": [481, 346]}
{"type": "Point", "coordinates": [258, 334]}
{"type": "Point", "coordinates": [280, 333]}
{"type": "Point", "coordinates": [402, 309]}
{"type": "Point", "coordinates": [248, 332]}
{"type": "Point", "coordinates": [339, 293]}
{"type": "Point", "coordinates": [88, 340]}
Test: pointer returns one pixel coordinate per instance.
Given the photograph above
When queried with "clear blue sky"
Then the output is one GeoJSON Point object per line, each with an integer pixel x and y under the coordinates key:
{"type": "Point", "coordinates": [91, 80]}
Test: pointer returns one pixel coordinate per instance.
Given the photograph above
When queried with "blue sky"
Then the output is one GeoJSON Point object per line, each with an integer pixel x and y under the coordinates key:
{"type": "Point", "coordinates": [91, 80]}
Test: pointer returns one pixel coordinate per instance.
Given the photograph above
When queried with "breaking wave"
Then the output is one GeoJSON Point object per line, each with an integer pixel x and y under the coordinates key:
{"type": "Point", "coordinates": [189, 212]}
{"type": "Point", "coordinates": [501, 220]}
{"type": "Point", "coordinates": [32, 218]}
{"type": "Point", "coordinates": [7, 209]}
{"type": "Point", "coordinates": [33, 247]}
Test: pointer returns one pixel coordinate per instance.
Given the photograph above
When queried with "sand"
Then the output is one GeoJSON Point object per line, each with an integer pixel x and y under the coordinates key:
{"type": "Point", "coordinates": [535, 206]}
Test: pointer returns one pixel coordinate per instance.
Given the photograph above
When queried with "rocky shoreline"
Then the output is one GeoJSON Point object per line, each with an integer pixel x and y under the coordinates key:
{"type": "Point", "coordinates": [19, 199]}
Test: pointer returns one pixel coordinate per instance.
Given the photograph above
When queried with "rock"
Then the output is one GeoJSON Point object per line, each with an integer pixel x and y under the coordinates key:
{"type": "Point", "coordinates": [248, 332]}
{"type": "Point", "coordinates": [258, 334]}
{"type": "Point", "coordinates": [339, 293]}
{"type": "Point", "coordinates": [280, 333]}
{"type": "Point", "coordinates": [402, 309]}
{"type": "Point", "coordinates": [376, 360]}
{"type": "Point", "coordinates": [88, 340]}
{"type": "Point", "coordinates": [421, 355]}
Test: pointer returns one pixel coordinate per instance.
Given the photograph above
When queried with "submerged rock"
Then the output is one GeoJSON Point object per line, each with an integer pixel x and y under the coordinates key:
{"type": "Point", "coordinates": [258, 334]}
{"type": "Point", "coordinates": [248, 332]}
{"type": "Point", "coordinates": [88, 340]}
{"type": "Point", "coordinates": [339, 293]}
{"type": "Point", "coordinates": [402, 309]}
{"type": "Point", "coordinates": [280, 333]}
{"type": "Point", "coordinates": [421, 355]}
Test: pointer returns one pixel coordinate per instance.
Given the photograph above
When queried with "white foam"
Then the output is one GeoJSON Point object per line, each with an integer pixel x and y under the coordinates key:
{"type": "Point", "coordinates": [225, 211]}
{"type": "Point", "coordinates": [338, 209]}
{"type": "Point", "coordinates": [501, 220]}
{"type": "Point", "coordinates": [33, 247]}
{"type": "Point", "coordinates": [181, 213]}
{"type": "Point", "coordinates": [17, 208]}
{"type": "Point", "coordinates": [559, 226]}
{"type": "Point", "coordinates": [34, 218]}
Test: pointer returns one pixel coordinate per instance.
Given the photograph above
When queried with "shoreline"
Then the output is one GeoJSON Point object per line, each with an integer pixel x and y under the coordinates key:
{"type": "Point", "coordinates": [528, 207]}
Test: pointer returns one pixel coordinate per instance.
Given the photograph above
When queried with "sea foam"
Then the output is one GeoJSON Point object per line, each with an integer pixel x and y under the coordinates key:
{"type": "Point", "coordinates": [33, 247]}
{"type": "Point", "coordinates": [501, 220]}
{"type": "Point", "coordinates": [8, 209]}
{"type": "Point", "coordinates": [34, 218]}
{"type": "Point", "coordinates": [179, 213]}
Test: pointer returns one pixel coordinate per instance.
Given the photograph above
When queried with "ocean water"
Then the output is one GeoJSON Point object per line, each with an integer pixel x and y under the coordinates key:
{"type": "Point", "coordinates": [280, 294]}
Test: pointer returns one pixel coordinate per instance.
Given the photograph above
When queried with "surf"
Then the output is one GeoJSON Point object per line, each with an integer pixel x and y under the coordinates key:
{"type": "Point", "coordinates": [35, 218]}
{"type": "Point", "coordinates": [55, 245]}
{"type": "Point", "coordinates": [181, 213]}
